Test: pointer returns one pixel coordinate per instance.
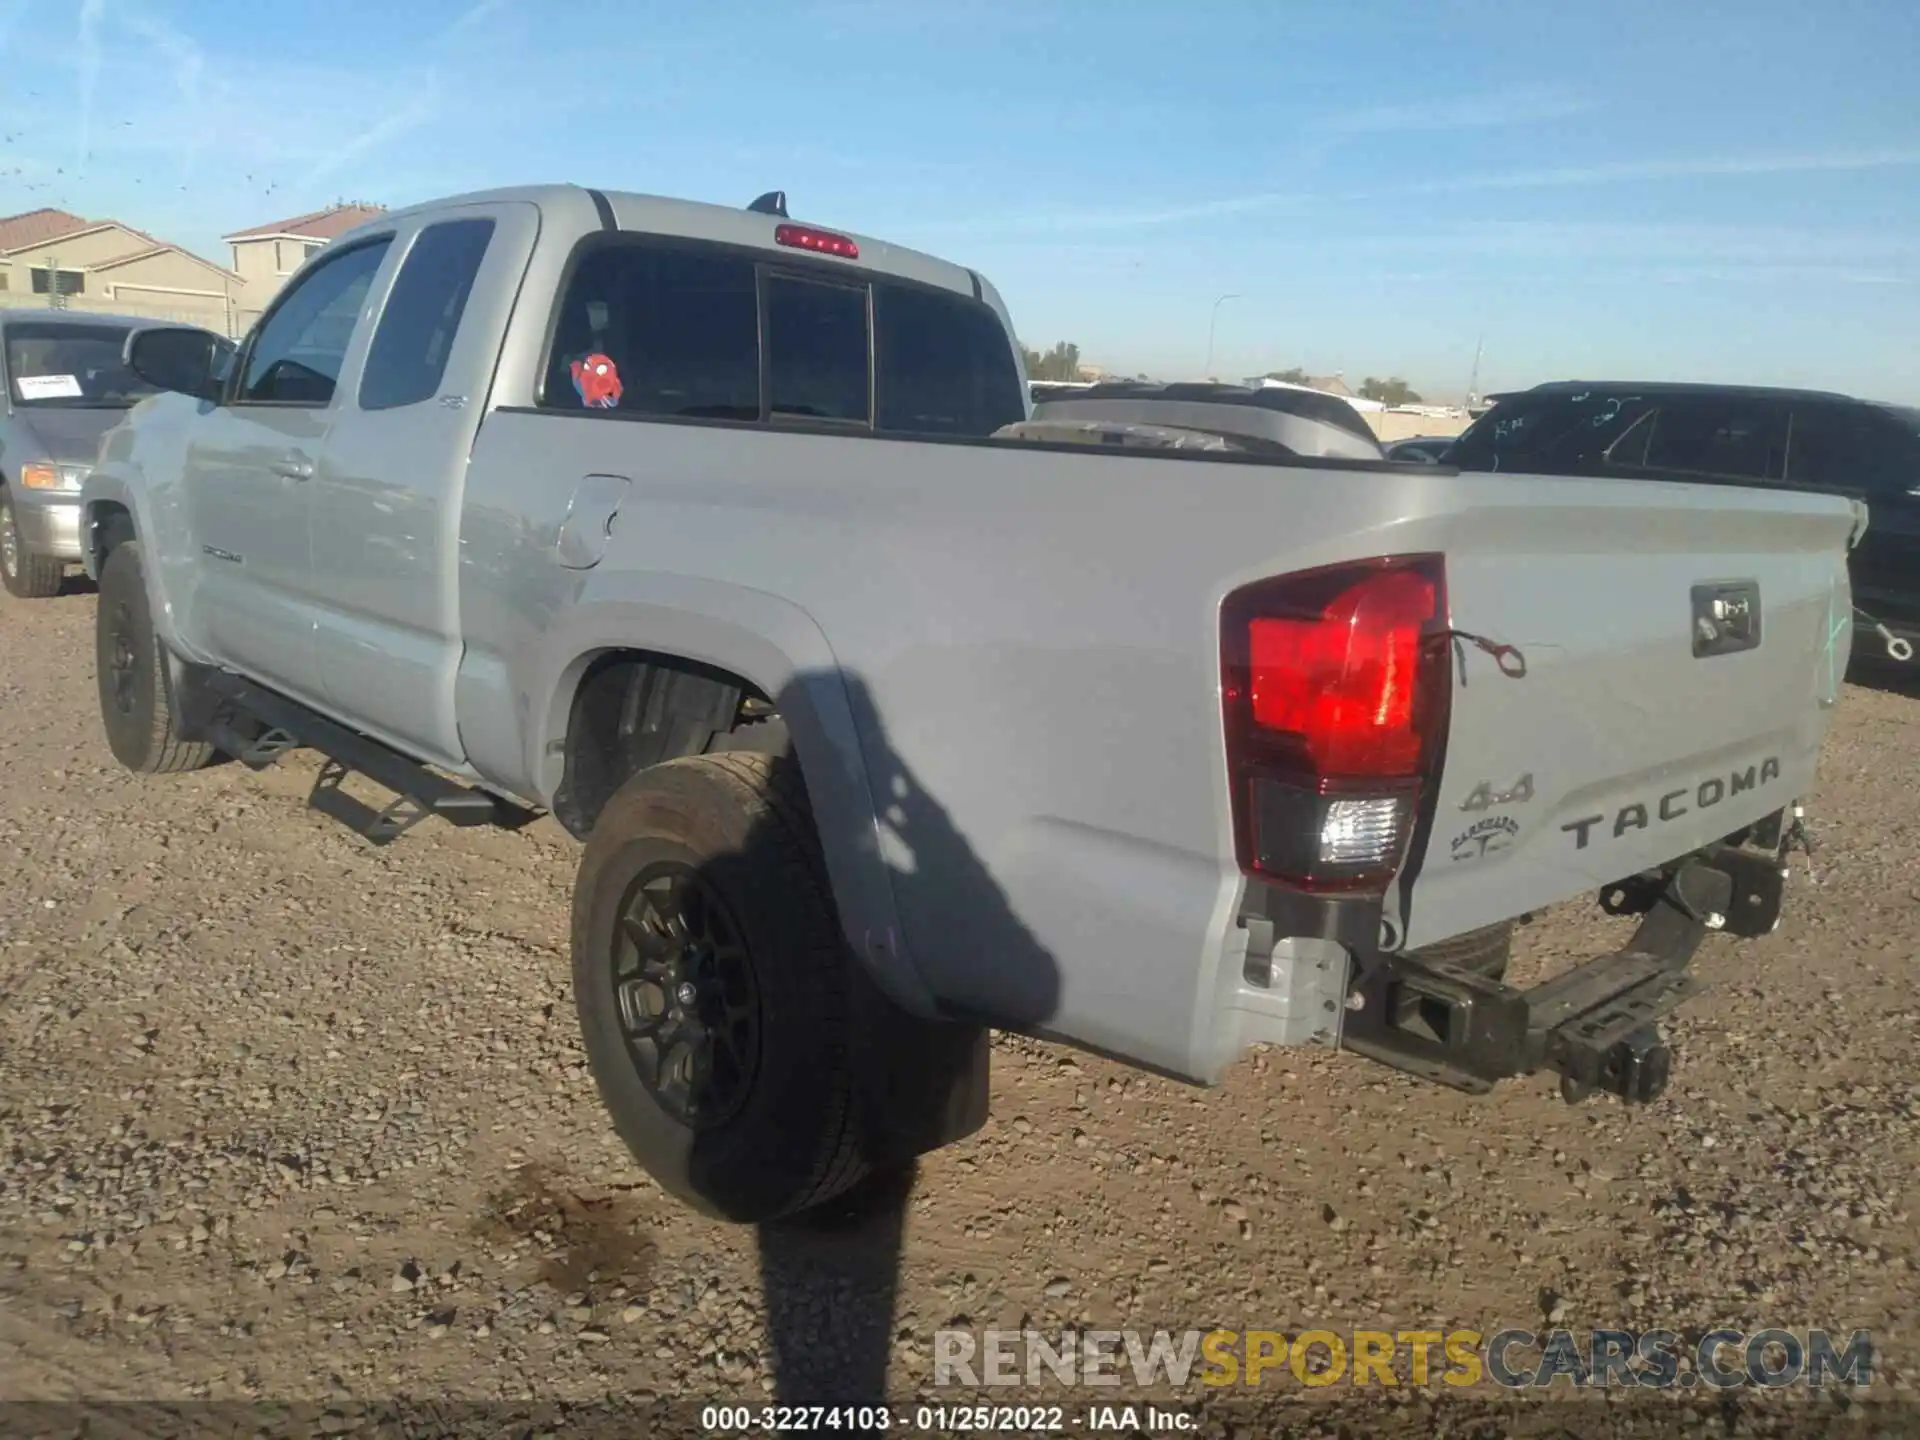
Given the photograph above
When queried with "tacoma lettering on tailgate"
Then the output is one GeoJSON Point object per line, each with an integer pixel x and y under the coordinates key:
{"type": "Point", "coordinates": [1674, 804]}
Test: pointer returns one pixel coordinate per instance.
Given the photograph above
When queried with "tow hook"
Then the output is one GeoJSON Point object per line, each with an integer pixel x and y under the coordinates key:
{"type": "Point", "coordinates": [1636, 1069]}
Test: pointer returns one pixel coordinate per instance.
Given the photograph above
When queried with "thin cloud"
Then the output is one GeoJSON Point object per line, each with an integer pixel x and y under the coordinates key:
{"type": "Point", "coordinates": [187, 65]}
{"type": "Point", "coordinates": [1776, 274]}
{"type": "Point", "coordinates": [11, 13]}
{"type": "Point", "coordinates": [1625, 254]}
{"type": "Point", "coordinates": [87, 48]}
{"type": "Point", "coordinates": [414, 112]}
{"type": "Point", "coordinates": [1615, 172]}
{"type": "Point", "coordinates": [1628, 171]}
{"type": "Point", "coordinates": [1051, 222]}
{"type": "Point", "coordinates": [475, 14]}
{"type": "Point", "coordinates": [1526, 105]}
{"type": "Point", "coordinates": [1520, 240]}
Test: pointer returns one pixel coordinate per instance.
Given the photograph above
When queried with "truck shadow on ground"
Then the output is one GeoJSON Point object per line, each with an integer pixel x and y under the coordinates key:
{"type": "Point", "coordinates": [830, 1277]}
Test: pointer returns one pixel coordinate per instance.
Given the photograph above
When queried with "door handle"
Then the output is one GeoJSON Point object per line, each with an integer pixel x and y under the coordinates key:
{"type": "Point", "coordinates": [293, 468]}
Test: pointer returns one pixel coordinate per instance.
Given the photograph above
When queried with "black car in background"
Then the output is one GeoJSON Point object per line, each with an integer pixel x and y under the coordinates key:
{"type": "Point", "coordinates": [1807, 439]}
{"type": "Point", "coordinates": [1429, 448]}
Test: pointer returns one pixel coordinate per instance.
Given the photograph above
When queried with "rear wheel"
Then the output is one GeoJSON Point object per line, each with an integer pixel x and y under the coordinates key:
{"type": "Point", "coordinates": [137, 707]}
{"type": "Point", "coordinates": [714, 987]}
{"type": "Point", "coordinates": [25, 574]}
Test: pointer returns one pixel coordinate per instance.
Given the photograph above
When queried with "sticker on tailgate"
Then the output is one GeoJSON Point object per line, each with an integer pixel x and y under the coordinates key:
{"type": "Point", "coordinates": [1484, 837]}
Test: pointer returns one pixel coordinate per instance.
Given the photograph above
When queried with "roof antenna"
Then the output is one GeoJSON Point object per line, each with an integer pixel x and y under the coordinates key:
{"type": "Point", "coordinates": [774, 202]}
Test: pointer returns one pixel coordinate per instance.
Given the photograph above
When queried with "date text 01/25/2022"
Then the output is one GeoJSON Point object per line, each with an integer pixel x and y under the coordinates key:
{"type": "Point", "coordinates": [934, 1419]}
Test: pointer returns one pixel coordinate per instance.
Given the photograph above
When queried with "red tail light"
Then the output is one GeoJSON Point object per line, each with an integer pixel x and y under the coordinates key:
{"type": "Point", "coordinates": [805, 237]}
{"type": "Point", "coordinates": [1335, 692]}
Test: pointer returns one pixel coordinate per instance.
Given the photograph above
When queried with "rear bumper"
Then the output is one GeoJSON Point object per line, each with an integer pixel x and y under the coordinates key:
{"type": "Point", "coordinates": [1594, 1025]}
{"type": "Point", "coordinates": [48, 526]}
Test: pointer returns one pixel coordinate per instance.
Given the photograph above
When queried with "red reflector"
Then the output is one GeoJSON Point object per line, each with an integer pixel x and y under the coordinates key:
{"type": "Point", "coordinates": [1344, 682]}
{"type": "Point", "coordinates": [805, 237]}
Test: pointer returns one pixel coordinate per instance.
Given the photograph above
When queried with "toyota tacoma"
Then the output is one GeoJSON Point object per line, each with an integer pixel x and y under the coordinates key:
{"type": "Point", "coordinates": [724, 540]}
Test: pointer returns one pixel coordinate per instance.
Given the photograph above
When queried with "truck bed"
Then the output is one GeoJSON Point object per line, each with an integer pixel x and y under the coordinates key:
{"type": "Point", "coordinates": [1029, 642]}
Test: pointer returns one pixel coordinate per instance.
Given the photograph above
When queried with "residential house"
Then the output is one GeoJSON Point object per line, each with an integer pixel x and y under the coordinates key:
{"type": "Point", "coordinates": [266, 255]}
{"type": "Point", "coordinates": [1330, 385]}
{"type": "Point", "coordinates": [109, 266]}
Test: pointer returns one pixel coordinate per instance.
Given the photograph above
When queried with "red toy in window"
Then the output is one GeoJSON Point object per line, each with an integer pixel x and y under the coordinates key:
{"type": "Point", "coordinates": [597, 380]}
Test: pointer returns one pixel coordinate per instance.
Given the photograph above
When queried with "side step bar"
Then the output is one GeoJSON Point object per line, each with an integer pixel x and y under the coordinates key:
{"type": "Point", "coordinates": [283, 725]}
{"type": "Point", "coordinates": [1594, 1025]}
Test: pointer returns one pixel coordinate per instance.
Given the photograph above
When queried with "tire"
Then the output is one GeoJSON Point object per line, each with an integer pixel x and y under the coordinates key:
{"type": "Point", "coordinates": [1487, 951]}
{"type": "Point", "coordinates": [25, 574]}
{"type": "Point", "coordinates": [137, 707]}
{"type": "Point", "coordinates": [776, 1131]}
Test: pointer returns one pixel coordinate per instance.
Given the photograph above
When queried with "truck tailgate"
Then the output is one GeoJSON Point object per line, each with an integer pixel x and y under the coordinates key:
{"type": "Point", "coordinates": [1634, 734]}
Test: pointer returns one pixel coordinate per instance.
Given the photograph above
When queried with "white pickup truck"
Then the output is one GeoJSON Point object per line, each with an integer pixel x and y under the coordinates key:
{"type": "Point", "coordinates": [697, 528]}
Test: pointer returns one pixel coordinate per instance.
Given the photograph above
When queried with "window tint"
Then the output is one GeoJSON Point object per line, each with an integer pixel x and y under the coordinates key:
{"type": "Point", "coordinates": [1742, 439]}
{"type": "Point", "coordinates": [408, 355]}
{"type": "Point", "coordinates": [297, 354]}
{"type": "Point", "coordinates": [1561, 434]}
{"type": "Point", "coordinates": [677, 332]}
{"type": "Point", "coordinates": [1852, 448]}
{"type": "Point", "coordinates": [945, 365]}
{"type": "Point", "coordinates": [817, 356]}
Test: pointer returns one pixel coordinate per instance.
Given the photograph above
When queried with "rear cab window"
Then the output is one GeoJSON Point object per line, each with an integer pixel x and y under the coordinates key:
{"type": "Point", "coordinates": [943, 364]}
{"type": "Point", "coordinates": [659, 331]}
{"type": "Point", "coordinates": [819, 352]}
{"type": "Point", "coordinates": [655, 328]}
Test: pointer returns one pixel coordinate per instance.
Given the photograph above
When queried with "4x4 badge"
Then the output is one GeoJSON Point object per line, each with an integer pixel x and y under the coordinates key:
{"type": "Point", "coordinates": [1485, 797]}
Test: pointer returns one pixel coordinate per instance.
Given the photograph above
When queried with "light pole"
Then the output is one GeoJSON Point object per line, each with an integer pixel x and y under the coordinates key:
{"type": "Point", "coordinates": [1212, 324]}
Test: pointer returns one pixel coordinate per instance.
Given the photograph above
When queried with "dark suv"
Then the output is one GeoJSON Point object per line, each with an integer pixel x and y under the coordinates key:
{"type": "Point", "coordinates": [1743, 435]}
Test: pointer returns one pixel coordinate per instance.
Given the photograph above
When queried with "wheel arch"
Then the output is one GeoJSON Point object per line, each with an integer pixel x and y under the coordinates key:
{"type": "Point", "coordinates": [103, 525]}
{"type": "Point", "coordinates": [694, 661]}
{"type": "Point", "coordinates": [113, 511]}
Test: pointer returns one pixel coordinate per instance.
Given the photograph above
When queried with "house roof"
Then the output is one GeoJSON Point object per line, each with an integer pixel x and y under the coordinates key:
{"type": "Point", "coordinates": [31, 227]}
{"type": "Point", "coordinates": [1328, 385]}
{"type": "Point", "coordinates": [158, 248]}
{"type": "Point", "coordinates": [83, 227]}
{"type": "Point", "coordinates": [35, 228]}
{"type": "Point", "coordinates": [315, 225]}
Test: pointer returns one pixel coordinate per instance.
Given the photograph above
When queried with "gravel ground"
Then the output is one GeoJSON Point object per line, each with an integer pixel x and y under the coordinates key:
{"type": "Point", "coordinates": [284, 1117]}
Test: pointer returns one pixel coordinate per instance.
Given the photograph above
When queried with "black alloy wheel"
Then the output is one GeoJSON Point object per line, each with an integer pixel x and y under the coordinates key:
{"type": "Point", "coordinates": [684, 989]}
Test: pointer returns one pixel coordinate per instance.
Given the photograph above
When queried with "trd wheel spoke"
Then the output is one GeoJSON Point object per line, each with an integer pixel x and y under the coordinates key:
{"type": "Point", "coordinates": [684, 982]}
{"type": "Point", "coordinates": [641, 1013]}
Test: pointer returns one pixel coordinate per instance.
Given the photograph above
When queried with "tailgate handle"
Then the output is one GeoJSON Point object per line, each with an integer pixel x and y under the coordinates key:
{"type": "Point", "coordinates": [1726, 618]}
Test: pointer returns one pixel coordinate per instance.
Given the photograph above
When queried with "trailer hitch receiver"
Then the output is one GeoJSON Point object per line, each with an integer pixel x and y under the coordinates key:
{"type": "Point", "coordinates": [1596, 1026]}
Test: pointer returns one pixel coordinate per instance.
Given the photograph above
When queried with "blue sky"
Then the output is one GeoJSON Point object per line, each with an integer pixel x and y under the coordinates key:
{"type": "Point", "coordinates": [1669, 190]}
